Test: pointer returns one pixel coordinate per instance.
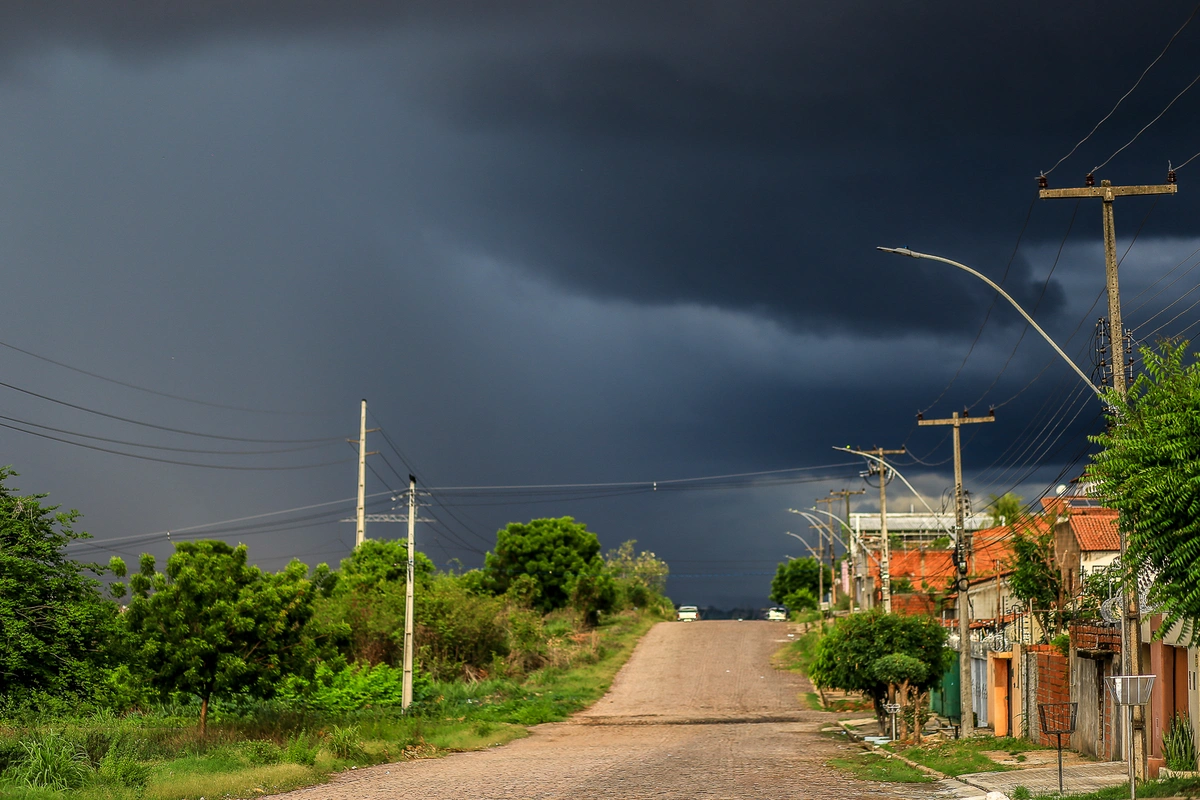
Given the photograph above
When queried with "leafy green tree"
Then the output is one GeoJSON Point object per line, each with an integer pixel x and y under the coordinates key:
{"type": "Point", "coordinates": [57, 630]}
{"type": "Point", "coordinates": [900, 671]}
{"type": "Point", "coordinates": [215, 626]}
{"type": "Point", "coordinates": [800, 600]}
{"type": "Point", "coordinates": [846, 656]}
{"type": "Point", "coordinates": [1006, 509]}
{"type": "Point", "coordinates": [643, 569]}
{"type": "Point", "coordinates": [1148, 468]}
{"type": "Point", "coordinates": [553, 552]}
{"type": "Point", "coordinates": [1035, 579]}
{"type": "Point", "coordinates": [796, 574]}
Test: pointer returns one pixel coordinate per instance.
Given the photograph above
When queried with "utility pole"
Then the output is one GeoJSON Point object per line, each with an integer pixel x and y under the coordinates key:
{"type": "Point", "coordinates": [1131, 637]}
{"type": "Point", "coordinates": [845, 494]}
{"type": "Point", "coordinates": [360, 528]}
{"type": "Point", "coordinates": [407, 688]}
{"type": "Point", "coordinates": [962, 559]}
{"type": "Point", "coordinates": [832, 553]}
{"type": "Point", "coordinates": [885, 574]}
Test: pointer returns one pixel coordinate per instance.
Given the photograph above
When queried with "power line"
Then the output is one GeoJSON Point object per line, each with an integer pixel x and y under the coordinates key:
{"type": "Point", "coordinates": [163, 427]}
{"type": "Point", "coordinates": [168, 460]}
{"type": "Point", "coordinates": [1136, 83]}
{"type": "Point", "coordinates": [1147, 125]}
{"type": "Point", "coordinates": [127, 385]}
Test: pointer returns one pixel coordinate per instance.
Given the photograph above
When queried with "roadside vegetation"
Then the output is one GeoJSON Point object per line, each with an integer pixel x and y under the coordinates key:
{"type": "Point", "coordinates": [218, 679]}
{"type": "Point", "coordinates": [965, 756]}
{"type": "Point", "coordinates": [871, 766]}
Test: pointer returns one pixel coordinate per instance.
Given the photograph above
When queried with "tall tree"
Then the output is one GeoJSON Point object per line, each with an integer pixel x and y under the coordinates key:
{"type": "Point", "coordinates": [56, 628]}
{"type": "Point", "coordinates": [795, 575]}
{"type": "Point", "coordinates": [553, 552]}
{"type": "Point", "coordinates": [215, 626]}
{"type": "Point", "coordinates": [1148, 468]}
{"type": "Point", "coordinates": [1035, 578]}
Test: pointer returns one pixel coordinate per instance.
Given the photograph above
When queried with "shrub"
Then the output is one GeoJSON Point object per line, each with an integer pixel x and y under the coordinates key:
{"type": "Point", "coordinates": [301, 749]}
{"type": "Point", "coordinates": [345, 742]}
{"type": "Point", "coordinates": [52, 762]}
{"type": "Point", "coordinates": [1179, 744]}
{"type": "Point", "coordinates": [121, 765]}
{"type": "Point", "coordinates": [260, 751]}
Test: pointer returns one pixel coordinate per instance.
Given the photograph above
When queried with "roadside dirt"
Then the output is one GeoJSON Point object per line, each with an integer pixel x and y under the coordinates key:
{"type": "Point", "coordinates": [697, 712]}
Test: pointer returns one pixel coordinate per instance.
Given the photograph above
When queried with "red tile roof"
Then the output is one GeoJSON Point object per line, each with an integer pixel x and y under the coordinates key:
{"type": "Point", "coordinates": [1096, 530]}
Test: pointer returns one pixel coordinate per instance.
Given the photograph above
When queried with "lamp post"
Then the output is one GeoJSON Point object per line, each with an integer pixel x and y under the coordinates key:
{"type": "Point", "coordinates": [904, 251]}
{"type": "Point", "coordinates": [851, 550]}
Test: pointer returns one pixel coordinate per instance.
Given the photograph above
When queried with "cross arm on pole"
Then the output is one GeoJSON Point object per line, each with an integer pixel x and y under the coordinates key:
{"type": "Point", "coordinates": [956, 420]}
{"type": "Point", "coordinates": [1108, 192]}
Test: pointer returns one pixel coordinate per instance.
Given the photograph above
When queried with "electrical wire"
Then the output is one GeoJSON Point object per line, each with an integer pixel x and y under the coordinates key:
{"type": "Point", "coordinates": [988, 314]}
{"type": "Point", "coordinates": [163, 447]}
{"type": "Point", "coordinates": [1147, 125]}
{"type": "Point", "coordinates": [168, 395]}
{"type": "Point", "coordinates": [141, 457]}
{"type": "Point", "coordinates": [1136, 83]}
{"type": "Point", "coordinates": [1036, 305]}
{"type": "Point", "coordinates": [163, 427]}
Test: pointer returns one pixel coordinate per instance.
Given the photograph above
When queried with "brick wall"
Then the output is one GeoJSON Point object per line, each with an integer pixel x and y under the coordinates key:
{"type": "Point", "coordinates": [914, 604]}
{"type": "Point", "coordinates": [1053, 685]}
{"type": "Point", "coordinates": [1095, 637]}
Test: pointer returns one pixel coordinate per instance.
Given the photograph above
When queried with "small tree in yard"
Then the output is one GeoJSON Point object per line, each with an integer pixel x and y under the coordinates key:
{"type": "Point", "coordinates": [215, 626]}
{"type": "Point", "coordinates": [900, 671]}
{"type": "Point", "coordinates": [1149, 469]}
{"type": "Point", "coordinates": [846, 656]}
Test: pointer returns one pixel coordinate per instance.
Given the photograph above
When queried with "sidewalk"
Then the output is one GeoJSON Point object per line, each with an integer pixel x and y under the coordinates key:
{"type": "Point", "coordinates": [1076, 778]}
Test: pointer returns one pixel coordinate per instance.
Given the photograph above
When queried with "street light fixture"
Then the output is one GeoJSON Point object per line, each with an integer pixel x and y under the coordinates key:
{"type": "Point", "coordinates": [904, 251]}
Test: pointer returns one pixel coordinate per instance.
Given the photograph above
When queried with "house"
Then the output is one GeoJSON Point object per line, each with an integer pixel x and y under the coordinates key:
{"type": "Point", "coordinates": [1086, 541]}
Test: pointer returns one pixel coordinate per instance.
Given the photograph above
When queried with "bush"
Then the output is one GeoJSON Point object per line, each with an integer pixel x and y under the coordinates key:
{"type": "Point", "coordinates": [121, 765]}
{"type": "Point", "coordinates": [52, 762]}
{"type": "Point", "coordinates": [352, 688]}
{"type": "Point", "coordinates": [301, 749]}
{"type": "Point", "coordinates": [345, 742]}
{"type": "Point", "coordinates": [1179, 744]}
{"type": "Point", "coordinates": [260, 751]}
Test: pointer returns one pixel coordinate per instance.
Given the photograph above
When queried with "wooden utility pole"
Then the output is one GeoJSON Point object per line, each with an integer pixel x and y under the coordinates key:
{"type": "Point", "coordinates": [845, 494]}
{"type": "Point", "coordinates": [1131, 637]}
{"type": "Point", "coordinates": [962, 559]}
{"type": "Point", "coordinates": [885, 574]}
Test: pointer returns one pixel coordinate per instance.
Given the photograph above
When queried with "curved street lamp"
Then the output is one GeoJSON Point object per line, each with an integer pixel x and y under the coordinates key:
{"type": "Point", "coordinates": [904, 251]}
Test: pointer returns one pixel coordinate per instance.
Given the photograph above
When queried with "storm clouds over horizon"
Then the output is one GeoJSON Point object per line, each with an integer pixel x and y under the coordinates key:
{"type": "Point", "coordinates": [560, 244]}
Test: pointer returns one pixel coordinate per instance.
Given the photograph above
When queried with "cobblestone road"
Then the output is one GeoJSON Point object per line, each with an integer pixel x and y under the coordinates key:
{"type": "Point", "coordinates": [696, 713]}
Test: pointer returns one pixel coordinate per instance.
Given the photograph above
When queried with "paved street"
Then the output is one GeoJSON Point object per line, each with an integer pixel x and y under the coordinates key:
{"type": "Point", "coordinates": [696, 713]}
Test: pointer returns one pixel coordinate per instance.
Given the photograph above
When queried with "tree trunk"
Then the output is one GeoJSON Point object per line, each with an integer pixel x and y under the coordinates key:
{"type": "Point", "coordinates": [204, 716]}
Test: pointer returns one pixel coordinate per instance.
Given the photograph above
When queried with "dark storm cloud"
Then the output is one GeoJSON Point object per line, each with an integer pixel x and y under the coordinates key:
{"type": "Point", "coordinates": [747, 156]}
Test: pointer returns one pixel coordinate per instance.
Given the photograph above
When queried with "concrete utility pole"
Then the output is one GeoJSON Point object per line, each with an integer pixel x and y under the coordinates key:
{"type": "Point", "coordinates": [832, 579]}
{"type": "Point", "coordinates": [962, 547]}
{"type": "Point", "coordinates": [845, 494]}
{"type": "Point", "coordinates": [406, 690]}
{"type": "Point", "coordinates": [1131, 638]}
{"type": "Point", "coordinates": [885, 569]}
{"type": "Point", "coordinates": [360, 528]}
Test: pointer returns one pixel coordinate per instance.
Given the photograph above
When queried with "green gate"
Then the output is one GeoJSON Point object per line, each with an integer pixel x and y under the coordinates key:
{"type": "Point", "coordinates": [945, 699]}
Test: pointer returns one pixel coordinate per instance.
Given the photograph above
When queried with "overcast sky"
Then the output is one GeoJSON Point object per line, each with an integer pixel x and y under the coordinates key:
{"type": "Point", "coordinates": [564, 244]}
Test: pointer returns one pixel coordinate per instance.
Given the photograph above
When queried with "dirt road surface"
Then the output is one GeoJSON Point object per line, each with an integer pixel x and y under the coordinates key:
{"type": "Point", "coordinates": [697, 712]}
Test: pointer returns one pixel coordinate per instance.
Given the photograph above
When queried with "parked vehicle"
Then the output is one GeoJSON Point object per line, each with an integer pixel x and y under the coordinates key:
{"type": "Point", "coordinates": [777, 614]}
{"type": "Point", "coordinates": [687, 614]}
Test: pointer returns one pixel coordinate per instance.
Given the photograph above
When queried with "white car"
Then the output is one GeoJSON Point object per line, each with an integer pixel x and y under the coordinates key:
{"type": "Point", "coordinates": [687, 614]}
{"type": "Point", "coordinates": [777, 614]}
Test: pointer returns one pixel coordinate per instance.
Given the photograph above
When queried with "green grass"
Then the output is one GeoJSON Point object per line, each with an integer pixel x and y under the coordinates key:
{"type": "Point", "coordinates": [1175, 787]}
{"type": "Point", "coordinates": [965, 756]}
{"type": "Point", "coordinates": [870, 766]}
{"type": "Point", "coordinates": [256, 753]}
{"type": "Point", "coordinates": [798, 655]}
